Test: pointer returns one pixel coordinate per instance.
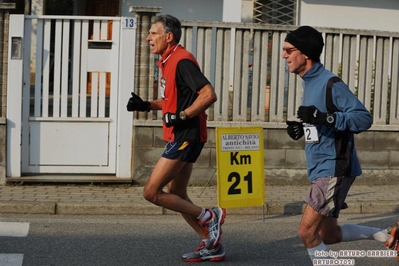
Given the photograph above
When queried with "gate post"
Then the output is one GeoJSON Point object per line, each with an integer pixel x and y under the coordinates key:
{"type": "Point", "coordinates": [126, 85]}
{"type": "Point", "coordinates": [4, 30]}
{"type": "Point", "coordinates": [14, 95]}
{"type": "Point", "coordinates": [145, 60]}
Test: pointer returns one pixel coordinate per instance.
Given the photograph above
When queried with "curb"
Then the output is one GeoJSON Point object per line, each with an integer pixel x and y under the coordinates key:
{"type": "Point", "coordinates": [78, 208]}
{"type": "Point", "coordinates": [21, 207]}
{"type": "Point", "coordinates": [271, 208]}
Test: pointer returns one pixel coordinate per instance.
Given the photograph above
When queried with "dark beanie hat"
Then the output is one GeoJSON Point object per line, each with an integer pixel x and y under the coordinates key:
{"type": "Point", "coordinates": [308, 40]}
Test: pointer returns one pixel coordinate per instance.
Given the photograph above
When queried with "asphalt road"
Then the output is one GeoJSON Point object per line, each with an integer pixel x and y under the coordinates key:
{"type": "Point", "coordinates": [160, 240]}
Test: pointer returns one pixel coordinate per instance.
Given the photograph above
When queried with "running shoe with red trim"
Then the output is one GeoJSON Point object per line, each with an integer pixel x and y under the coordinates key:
{"type": "Point", "coordinates": [212, 226]}
{"type": "Point", "coordinates": [394, 243]}
{"type": "Point", "coordinates": [202, 254]}
{"type": "Point", "coordinates": [394, 232]}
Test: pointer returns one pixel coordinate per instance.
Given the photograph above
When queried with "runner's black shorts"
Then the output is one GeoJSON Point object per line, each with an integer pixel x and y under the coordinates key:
{"type": "Point", "coordinates": [190, 151]}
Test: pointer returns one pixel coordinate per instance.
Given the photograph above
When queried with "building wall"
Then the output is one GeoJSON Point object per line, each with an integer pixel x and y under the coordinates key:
{"type": "Point", "coordinates": [353, 14]}
{"type": "Point", "coordinates": [205, 10]}
{"type": "Point", "coordinates": [183, 9]}
{"type": "Point", "coordinates": [284, 158]}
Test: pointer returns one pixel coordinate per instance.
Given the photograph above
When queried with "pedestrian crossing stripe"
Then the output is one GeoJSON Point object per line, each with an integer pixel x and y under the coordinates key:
{"type": "Point", "coordinates": [11, 259]}
{"type": "Point", "coordinates": [14, 229]}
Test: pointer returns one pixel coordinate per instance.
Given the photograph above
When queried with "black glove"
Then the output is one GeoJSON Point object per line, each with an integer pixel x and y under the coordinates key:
{"type": "Point", "coordinates": [135, 103]}
{"type": "Point", "coordinates": [295, 130]}
{"type": "Point", "coordinates": [171, 119]}
{"type": "Point", "coordinates": [312, 115]}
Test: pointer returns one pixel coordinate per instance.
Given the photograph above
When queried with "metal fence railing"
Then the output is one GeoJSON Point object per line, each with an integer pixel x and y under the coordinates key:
{"type": "Point", "coordinates": [244, 63]}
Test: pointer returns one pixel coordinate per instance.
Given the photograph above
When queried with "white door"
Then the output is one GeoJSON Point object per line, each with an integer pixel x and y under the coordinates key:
{"type": "Point", "coordinates": [70, 96]}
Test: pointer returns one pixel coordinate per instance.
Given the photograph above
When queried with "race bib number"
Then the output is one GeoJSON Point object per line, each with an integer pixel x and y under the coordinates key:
{"type": "Point", "coordinates": [311, 135]}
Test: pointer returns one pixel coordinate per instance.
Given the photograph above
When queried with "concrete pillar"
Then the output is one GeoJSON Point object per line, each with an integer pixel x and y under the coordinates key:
{"type": "Point", "coordinates": [145, 60]}
{"type": "Point", "coordinates": [4, 33]}
{"type": "Point", "coordinates": [37, 9]}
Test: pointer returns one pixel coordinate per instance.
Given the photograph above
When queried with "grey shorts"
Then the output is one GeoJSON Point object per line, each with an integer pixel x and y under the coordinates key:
{"type": "Point", "coordinates": [327, 194]}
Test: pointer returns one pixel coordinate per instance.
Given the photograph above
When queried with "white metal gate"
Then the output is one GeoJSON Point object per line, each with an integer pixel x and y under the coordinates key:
{"type": "Point", "coordinates": [77, 73]}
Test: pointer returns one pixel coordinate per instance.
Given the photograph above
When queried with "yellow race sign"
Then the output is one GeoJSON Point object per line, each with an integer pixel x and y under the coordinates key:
{"type": "Point", "coordinates": [240, 166]}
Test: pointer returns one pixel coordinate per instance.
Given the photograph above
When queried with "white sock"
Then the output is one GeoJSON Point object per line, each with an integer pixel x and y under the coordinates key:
{"type": "Point", "coordinates": [353, 232]}
{"type": "Point", "coordinates": [321, 247]}
{"type": "Point", "coordinates": [205, 214]}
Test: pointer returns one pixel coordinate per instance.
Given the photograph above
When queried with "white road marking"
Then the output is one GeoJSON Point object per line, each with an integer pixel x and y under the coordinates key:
{"type": "Point", "coordinates": [11, 259]}
{"type": "Point", "coordinates": [14, 229]}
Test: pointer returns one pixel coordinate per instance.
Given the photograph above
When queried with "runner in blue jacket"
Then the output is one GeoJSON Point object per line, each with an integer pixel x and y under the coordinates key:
{"type": "Point", "coordinates": [329, 117]}
{"type": "Point", "coordinates": [351, 117]}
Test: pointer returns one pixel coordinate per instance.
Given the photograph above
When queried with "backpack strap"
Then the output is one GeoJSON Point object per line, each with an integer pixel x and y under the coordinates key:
{"type": "Point", "coordinates": [331, 108]}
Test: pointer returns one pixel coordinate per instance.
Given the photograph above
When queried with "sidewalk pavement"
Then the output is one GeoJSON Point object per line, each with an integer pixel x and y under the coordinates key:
{"type": "Point", "coordinates": [128, 200]}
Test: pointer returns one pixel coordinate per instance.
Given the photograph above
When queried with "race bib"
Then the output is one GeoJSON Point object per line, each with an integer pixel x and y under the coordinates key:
{"type": "Point", "coordinates": [311, 135]}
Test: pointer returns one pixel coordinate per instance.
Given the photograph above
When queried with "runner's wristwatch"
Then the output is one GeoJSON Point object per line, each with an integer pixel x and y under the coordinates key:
{"type": "Point", "coordinates": [330, 118]}
{"type": "Point", "coordinates": [183, 115]}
